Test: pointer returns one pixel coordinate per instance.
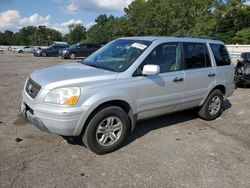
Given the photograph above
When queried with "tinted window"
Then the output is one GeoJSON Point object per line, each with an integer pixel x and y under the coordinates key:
{"type": "Point", "coordinates": [57, 47]}
{"type": "Point", "coordinates": [220, 54]}
{"type": "Point", "coordinates": [82, 45]}
{"type": "Point", "coordinates": [196, 55]}
{"type": "Point", "coordinates": [167, 56]}
{"type": "Point", "coordinates": [89, 46]}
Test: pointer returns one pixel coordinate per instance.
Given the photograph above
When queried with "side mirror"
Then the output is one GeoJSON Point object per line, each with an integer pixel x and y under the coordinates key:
{"type": "Point", "coordinates": [150, 70]}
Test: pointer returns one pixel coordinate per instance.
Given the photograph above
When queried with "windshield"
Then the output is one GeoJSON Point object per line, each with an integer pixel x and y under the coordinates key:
{"type": "Point", "coordinates": [118, 55]}
{"type": "Point", "coordinates": [74, 45]}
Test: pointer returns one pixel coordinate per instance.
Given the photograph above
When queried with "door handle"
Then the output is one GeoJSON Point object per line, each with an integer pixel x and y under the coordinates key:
{"type": "Point", "coordinates": [211, 74]}
{"type": "Point", "coordinates": [178, 79]}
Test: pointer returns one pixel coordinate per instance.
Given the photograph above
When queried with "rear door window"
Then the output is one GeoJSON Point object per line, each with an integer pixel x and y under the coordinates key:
{"type": "Point", "coordinates": [221, 55]}
{"type": "Point", "coordinates": [196, 55]}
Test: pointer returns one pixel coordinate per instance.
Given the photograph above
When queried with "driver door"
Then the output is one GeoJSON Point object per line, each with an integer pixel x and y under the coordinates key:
{"type": "Point", "coordinates": [162, 93]}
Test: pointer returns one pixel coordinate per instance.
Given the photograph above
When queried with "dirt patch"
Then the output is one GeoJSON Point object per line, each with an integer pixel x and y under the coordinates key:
{"type": "Point", "coordinates": [20, 121]}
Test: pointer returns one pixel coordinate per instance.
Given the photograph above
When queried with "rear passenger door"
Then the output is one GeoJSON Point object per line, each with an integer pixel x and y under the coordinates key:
{"type": "Point", "coordinates": [199, 73]}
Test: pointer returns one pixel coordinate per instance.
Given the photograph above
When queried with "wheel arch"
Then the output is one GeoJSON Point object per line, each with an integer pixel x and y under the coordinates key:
{"type": "Point", "coordinates": [116, 102]}
{"type": "Point", "coordinates": [220, 87]}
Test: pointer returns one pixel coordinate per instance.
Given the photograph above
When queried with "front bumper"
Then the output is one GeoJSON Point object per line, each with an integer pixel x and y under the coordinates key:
{"type": "Point", "coordinates": [59, 120]}
{"type": "Point", "coordinates": [29, 114]}
{"type": "Point", "coordinates": [63, 55]}
{"type": "Point", "coordinates": [36, 54]}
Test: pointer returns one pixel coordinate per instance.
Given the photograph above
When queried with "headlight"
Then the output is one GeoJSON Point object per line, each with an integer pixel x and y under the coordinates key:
{"type": "Point", "coordinates": [38, 51]}
{"type": "Point", "coordinates": [66, 96]}
{"type": "Point", "coordinates": [64, 51]}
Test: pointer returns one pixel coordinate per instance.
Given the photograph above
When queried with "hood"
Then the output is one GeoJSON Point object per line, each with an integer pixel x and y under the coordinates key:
{"type": "Point", "coordinates": [68, 74]}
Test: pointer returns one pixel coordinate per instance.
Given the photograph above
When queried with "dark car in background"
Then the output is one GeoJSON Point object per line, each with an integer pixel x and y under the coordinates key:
{"type": "Point", "coordinates": [242, 69]}
{"type": "Point", "coordinates": [51, 51]}
{"type": "Point", "coordinates": [78, 50]}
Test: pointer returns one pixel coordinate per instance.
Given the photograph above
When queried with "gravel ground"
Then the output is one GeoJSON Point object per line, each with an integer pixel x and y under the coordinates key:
{"type": "Point", "coordinates": [178, 150]}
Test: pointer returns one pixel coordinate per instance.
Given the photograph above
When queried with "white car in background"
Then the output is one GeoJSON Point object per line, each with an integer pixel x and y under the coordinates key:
{"type": "Point", "coordinates": [27, 49]}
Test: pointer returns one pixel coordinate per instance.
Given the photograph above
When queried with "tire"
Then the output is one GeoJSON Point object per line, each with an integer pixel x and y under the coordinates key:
{"type": "Point", "coordinates": [212, 107]}
{"type": "Point", "coordinates": [20, 51]}
{"type": "Point", "coordinates": [97, 136]}
{"type": "Point", "coordinates": [72, 56]}
{"type": "Point", "coordinates": [43, 54]}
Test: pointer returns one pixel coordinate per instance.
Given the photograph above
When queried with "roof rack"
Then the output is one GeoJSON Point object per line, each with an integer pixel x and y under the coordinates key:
{"type": "Point", "coordinates": [200, 37]}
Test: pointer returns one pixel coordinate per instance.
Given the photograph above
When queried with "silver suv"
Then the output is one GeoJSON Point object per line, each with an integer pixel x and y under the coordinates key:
{"type": "Point", "coordinates": [129, 79]}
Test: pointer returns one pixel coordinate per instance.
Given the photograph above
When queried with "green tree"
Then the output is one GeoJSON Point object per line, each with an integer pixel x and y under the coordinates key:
{"type": "Point", "coordinates": [231, 17]}
{"type": "Point", "coordinates": [8, 37]}
{"type": "Point", "coordinates": [77, 33]}
{"type": "Point", "coordinates": [242, 36]}
{"type": "Point", "coordinates": [104, 29]}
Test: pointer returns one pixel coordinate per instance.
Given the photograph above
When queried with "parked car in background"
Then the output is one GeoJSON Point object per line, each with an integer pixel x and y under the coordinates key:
{"type": "Point", "coordinates": [1, 50]}
{"type": "Point", "coordinates": [13, 49]}
{"type": "Point", "coordinates": [129, 79]}
{"type": "Point", "coordinates": [242, 69]}
{"type": "Point", "coordinates": [52, 50]}
{"type": "Point", "coordinates": [78, 50]}
{"type": "Point", "coordinates": [26, 49]}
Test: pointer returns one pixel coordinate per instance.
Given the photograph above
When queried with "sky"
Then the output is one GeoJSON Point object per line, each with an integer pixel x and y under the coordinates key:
{"type": "Point", "coordinates": [57, 14]}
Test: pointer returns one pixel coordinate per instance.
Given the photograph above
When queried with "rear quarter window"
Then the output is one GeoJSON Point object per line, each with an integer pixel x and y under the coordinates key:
{"type": "Point", "coordinates": [221, 55]}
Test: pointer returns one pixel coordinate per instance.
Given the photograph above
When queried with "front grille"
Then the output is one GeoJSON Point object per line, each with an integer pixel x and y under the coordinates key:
{"type": "Point", "coordinates": [32, 88]}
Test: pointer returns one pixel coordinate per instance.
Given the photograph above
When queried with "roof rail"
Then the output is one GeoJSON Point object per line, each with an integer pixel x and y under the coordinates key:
{"type": "Point", "coordinates": [200, 37]}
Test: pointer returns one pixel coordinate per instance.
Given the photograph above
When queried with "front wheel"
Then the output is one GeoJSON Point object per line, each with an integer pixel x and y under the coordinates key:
{"type": "Point", "coordinates": [107, 130]}
{"type": "Point", "coordinates": [212, 108]}
{"type": "Point", "coordinates": [43, 54]}
{"type": "Point", "coordinates": [72, 56]}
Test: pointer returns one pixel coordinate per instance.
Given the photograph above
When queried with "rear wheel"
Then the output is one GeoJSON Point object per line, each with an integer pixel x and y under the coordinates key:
{"type": "Point", "coordinates": [212, 108]}
{"type": "Point", "coordinates": [106, 130]}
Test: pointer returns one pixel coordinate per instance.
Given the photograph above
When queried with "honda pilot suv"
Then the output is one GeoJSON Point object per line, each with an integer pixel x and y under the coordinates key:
{"type": "Point", "coordinates": [129, 79]}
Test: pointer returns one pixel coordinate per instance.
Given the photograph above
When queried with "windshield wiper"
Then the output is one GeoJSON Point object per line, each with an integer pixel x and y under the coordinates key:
{"type": "Point", "coordinates": [100, 67]}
